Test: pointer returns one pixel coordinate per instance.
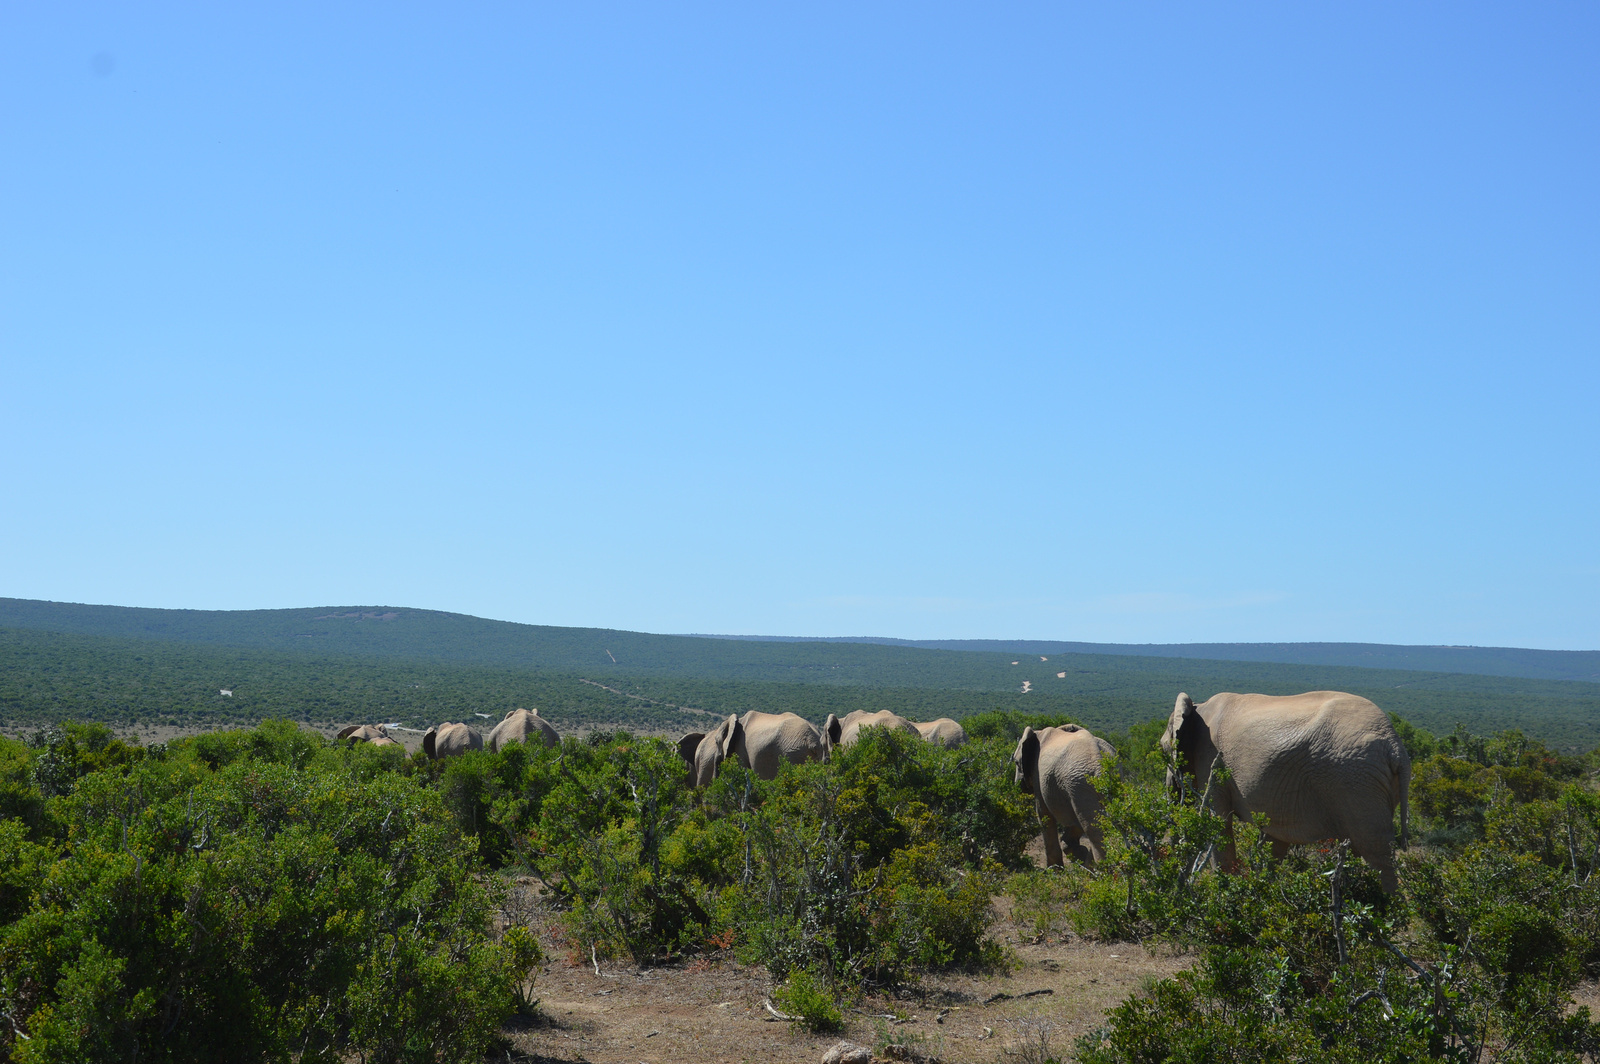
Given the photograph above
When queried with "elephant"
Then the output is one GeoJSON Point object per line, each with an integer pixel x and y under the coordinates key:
{"type": "Point", "coordinates": [376, 734]}
{"type": "Point", "coordinates": [448, 740]}
{"type": "Point", "coordinates": [843, 731]}
{"type": "Point", "coordinates": [1322, 765]}
{"type": "Point", "coordinates": [519, 726]}
{"type": "Point", "coordinates": [1058, 766]}
{"type": "Point", "coordinates": [944, 732]}
{"type": "Point", "coordinates": [761, 742]}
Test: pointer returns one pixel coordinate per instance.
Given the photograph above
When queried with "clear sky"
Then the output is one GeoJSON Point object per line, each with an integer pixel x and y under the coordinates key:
{"type": "Point", "coordinates": [1106, 322]}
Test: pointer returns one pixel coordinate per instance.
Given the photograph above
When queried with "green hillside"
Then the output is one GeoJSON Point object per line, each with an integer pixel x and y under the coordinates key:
{"type": "Point", "coordinates": [1487, 661]}
{"type": "Point", "coordinates": [47, 675]}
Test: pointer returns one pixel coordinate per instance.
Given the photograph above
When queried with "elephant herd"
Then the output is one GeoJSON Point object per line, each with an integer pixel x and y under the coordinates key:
{"type": "Point", "coordinates": [447, 740]}
{"type": "Point", "coordinates": [763, 741]}
{"type": "Point", "coordinates": [1321, 765]}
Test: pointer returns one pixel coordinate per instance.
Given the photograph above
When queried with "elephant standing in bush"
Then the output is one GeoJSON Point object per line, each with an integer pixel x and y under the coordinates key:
{"type": "Point", "coordinates": [519, 726]}
{"type": "Point", "coordinates": [761, 742]}
{"type": "Point", "coordinates": [842, 731]}
{"type": "Point", "coordinates": [448, 740]}
{"type": "Point", "coordinates": [1058, 766]}
{"type": "Point", "coordinates": [1322, 765]}
{"type": "Point", "coordinates": [376, 734]}
{"type": "Point", "coordinates": [942, 732]}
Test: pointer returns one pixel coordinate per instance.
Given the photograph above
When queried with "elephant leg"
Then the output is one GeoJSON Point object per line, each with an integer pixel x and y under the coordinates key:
{"type": "Point", "coordinates": [1228, 857]}
{"type": "Point", "coordinates": [1280, 849]}
{"type": "Point", "coordinates": [1052, 842]}
{"type": "Point", "coordinates": [1094, 846]}
{"type": "Point", "coordinates": [1084, 847]}
{"type": "Point", "coordinates": [1380, 856]}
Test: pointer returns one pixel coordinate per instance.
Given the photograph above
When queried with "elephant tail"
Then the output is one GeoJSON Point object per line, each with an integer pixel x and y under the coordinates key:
{"type": "Point", "coordinates": [1404, 775]}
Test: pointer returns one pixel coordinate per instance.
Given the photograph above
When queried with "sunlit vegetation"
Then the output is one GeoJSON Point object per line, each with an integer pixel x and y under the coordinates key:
{"type": "Point", "coordinates": [285, 897]}
{"type": "Point", "coordinates": [666, 684]}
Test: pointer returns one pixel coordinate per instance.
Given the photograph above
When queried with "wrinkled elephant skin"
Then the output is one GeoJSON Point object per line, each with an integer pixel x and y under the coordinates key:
{"type": "Point", "coordinates": [448, 740]}
{"type": "Point", "coordinates": [761, 741]}
{"type": "Point", "coordinates": [519, 726]}
{"type": "Point", "coordinates": [1322, 765]}
{"type": "Point", "coordinates": [843, 731]}
{"type": "Point", "coordinates": [376, 734]}
{"type": "Point", "coordinates": [942, 732]}
{"type": "Point", "coordinates": [1058, 766]}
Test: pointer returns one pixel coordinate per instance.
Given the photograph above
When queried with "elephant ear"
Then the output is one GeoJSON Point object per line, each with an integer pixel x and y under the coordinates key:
{"type": "Point", "coordinates": [831, 731]}
{"type": "Point", "coordinates": [724, 734]}
{"type": "Point", "coordinates": [511, 713]}
{"type": "Point", "coordinates": [1183, 725]}
{"type": "Point", "coordinates": [1026, 756]}
{"type": "Point", "coordinates": [688, 745]}
{"type": "Point", "coordinates": [427, 741]}
{"type": "Point", "coordinates": [349, 731]}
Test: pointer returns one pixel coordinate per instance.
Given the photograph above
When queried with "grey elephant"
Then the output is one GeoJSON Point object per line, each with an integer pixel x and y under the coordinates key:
{"type": "Point", "coordinates": [761, 741]}
{"type": "Point", "coordinates": [376, 734]}
{"type": "Point", "coordinates": [448, 740]}
{"type": "Point", "coordinates": [1322, 765]}
{"type": "Point", "coordinates": [942, 732]}
{"type": "Point", "coordinates": [519, 726]}
{"type": "Point", "coordinates": [1058, 766]}
{"type": "Point", "coordinates": [843, 731]}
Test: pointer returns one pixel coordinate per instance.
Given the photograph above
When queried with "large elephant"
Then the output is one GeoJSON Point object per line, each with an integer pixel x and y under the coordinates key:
{"type": "Point", "coordinates": [519, 726]}
{"type": "Point", "coordinates": [1058, 766]}
{"type": "Point", "coordinates": [944, 732]}
{"type": "Point", "coordinates": [1322, 765]}
{"type": "Point", "coordinates": [376, 734]}
{"type": "Point", "coordinates": [761, 742]}
{"type": "Point", "coordinates": [843, 731]}
{"type": "Point", "coordinates": [448, 740]}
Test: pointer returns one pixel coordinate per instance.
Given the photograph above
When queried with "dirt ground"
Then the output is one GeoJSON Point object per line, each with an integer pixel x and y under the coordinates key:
{"type": "Point", "coordinates": [668, 1015]}
{"type": "Point", "coordinates": [714, 1010]}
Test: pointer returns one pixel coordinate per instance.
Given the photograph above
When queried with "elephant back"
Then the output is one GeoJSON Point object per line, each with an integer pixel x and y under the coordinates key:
{"type": "Point", "coordinates": [943, 732]}
{"type": "Point", "coordinates": [450, 739]}
{"type": "Point", "coordinates": [519, 726]}
{"type": "Point", "coordinates": [846, 730]}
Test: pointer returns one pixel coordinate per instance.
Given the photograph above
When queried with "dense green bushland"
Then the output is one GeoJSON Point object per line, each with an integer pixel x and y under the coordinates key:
{"type": "Point", "coordinates": [60, 661]}
{"type": "Point", "coordinates": [433, 635]}
{"type": "Point", "coordinates": [1304, 958]}
{"type": "Point", "coordinates": [863, 870]}
{"type": "Point", "coordinates": [248, 895]}
{"type": "Point", "coordinates": [267, 894]}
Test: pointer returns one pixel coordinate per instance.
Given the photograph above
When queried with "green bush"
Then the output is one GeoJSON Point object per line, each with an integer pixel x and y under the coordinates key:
{"type": "Point", "coordinates": [807, 998]}
{"type": "Point", "coordinates": [249, 896]}
{"type": "Point", "coordinates": [1042, 900]}
{"type": "Point", "coordinates": [602, 831]}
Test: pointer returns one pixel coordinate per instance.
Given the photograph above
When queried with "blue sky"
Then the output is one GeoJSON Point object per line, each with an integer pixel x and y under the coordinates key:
{"type": "Point", "coordinates": [1125, 323]}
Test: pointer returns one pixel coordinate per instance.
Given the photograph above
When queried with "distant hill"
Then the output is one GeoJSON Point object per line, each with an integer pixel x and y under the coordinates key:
{"type": "Point", "coordinates": [1483, 661]}
{"type": "Point", "coordinates": [352, 663]}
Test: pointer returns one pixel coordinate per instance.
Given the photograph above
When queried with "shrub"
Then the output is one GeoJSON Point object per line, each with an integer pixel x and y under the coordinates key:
{"type": "Point", "coordinates": [805, 997]}
{"type": "Point", "coordinates": [251, 897]}
{"type": "Point", "coordinates": [1042, 900]}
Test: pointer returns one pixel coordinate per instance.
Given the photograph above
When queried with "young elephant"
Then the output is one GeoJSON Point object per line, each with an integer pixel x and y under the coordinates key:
{"type": "Point", "coordinates": [448, 740]}
{"type": "Point", "coordinates": [842, 731]}
{"type": "Point", "coordinates": [376, 734]}
{"type": "Point", "coordinates": [761, 742]}
{"type": "Point", "coordinates": [1322, 765]}
{"type": "Point", "coordinates": [1057, 766]}
{"type": "Point", "coordinates": [519, 726]}
{"type": "Point", "coordinates": [943, 732]}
